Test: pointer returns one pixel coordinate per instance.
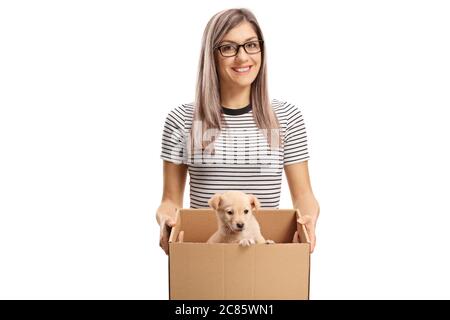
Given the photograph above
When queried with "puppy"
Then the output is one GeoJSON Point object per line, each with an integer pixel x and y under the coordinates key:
{"type": "Point", "coordinates": [236, 222]}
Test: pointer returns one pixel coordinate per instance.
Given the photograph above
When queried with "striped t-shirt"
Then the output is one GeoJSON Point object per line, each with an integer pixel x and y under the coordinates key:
{"type": "Point", "coordinates": [243, 159]}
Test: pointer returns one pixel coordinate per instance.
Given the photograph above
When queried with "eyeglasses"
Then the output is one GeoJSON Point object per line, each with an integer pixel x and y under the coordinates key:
{"type": "Point", "coordinates": [232, 49]}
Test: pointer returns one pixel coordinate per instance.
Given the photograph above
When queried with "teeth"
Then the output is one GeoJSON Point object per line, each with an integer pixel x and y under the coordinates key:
{"type": "Point", "coordinates": [242, 69]}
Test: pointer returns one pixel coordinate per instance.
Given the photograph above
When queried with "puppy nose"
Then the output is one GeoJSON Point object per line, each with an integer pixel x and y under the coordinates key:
{"type": "Point", "coordinates": [240, 225]}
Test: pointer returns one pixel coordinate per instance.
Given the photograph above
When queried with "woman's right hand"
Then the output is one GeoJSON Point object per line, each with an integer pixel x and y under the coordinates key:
{"type": "Point", "coordinates": [166, 224]}
{"type": "Point", "coordinates": [172, 199]}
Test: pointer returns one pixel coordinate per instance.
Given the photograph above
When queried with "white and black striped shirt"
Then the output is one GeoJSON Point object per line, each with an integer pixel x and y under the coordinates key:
{"type": "Point", "coordinates": [243, 159]}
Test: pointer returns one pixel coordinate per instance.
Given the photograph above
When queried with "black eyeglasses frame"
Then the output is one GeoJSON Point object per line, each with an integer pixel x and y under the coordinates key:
{"type": "Point", "coordinates": [261, 42]}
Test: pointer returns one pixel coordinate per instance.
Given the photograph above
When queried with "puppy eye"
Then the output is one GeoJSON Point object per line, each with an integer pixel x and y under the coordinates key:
{"type": "Point", "coordinates": [230, 212]}
{"type": "Point", "coordinates": [245, 211]}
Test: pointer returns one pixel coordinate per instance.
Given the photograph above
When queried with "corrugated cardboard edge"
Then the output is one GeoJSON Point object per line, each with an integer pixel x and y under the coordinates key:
{"type": "Point", "coordinates": [171, 239]}
{"type": "Point", "coordinates": [172, 232]}
{"type": "Point", "coordinates": [180, 236]}
{"type": "Point", "coordinates": [301, 228]}
{"type": "Point", "coordinates": [309, 276]}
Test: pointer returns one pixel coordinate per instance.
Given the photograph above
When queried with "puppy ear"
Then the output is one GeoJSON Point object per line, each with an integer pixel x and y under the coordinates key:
{"type": "Point", "coordinates": [214, 202]}
{"type": "Point", "coordinates": [254, 202]}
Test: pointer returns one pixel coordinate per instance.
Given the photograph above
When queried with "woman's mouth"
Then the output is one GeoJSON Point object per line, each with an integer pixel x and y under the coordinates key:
{"type": "Point", "coordinates": [242, 70]}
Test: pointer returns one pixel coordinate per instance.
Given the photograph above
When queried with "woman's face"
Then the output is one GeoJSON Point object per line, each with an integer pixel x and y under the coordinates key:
{"type": "Point", "coordinates": [229, 74]}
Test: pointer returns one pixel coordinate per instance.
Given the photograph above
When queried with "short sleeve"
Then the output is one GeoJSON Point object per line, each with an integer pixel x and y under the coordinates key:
{"type": "Point", "coordinates": [295, 139]}
{"type": "Point", "coordinates": [173, 137]}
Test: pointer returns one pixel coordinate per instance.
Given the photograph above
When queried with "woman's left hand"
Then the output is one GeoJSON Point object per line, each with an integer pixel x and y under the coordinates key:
{"type": "Point", "coordinates": [309, 213]}
{"type": "Point", "coordinates": [303, 199]}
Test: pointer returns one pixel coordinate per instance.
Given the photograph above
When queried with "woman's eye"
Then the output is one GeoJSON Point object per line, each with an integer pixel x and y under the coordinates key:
{"type": "Point", "coordinates": [230, 212]}
{"type": "Point", "coordinates": [227, 48]}
{"type": "Point", "coordinates": [245, 211]}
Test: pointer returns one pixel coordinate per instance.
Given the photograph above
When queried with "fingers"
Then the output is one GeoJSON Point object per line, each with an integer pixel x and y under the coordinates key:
{"type": "Point", "coordinates": [165, 228]}
{"type": "Point", "coordinates": [310, 228]}
{"type": "Point", "coordinates": [164, 238]}
{"type": "Point", "coordinates": [164, 244]}
{"type": "Point", "coordinates": [313, 241]}
{"type": "Point", "coordinates": [312, 236]}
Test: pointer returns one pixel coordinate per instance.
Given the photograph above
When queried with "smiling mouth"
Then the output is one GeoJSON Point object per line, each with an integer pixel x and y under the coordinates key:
{"type": "Point", "coordinates": [242, 70]}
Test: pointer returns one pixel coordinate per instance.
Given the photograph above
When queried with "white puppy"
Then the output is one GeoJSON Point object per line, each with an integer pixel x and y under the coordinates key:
{"type": "Point", "coordinates": [236, 222]}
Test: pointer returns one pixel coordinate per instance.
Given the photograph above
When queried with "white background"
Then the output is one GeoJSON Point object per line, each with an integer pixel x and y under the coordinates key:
{"type": "Point", "coordinates": [84, 90]}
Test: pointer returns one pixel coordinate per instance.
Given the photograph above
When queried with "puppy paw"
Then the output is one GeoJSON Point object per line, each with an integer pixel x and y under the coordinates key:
{"type": "Point", "coordinates": [246, 242]}
{"type": "Point", "coordinates": [270, 242]}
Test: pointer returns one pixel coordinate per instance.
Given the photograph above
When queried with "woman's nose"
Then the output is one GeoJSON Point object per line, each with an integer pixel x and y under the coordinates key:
{"type": "Point", "coordinates": [241, 54]}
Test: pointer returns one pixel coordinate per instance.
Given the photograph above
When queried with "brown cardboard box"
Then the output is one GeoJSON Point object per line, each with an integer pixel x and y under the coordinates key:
{"type": "Point", "coordinates": [198, 270]}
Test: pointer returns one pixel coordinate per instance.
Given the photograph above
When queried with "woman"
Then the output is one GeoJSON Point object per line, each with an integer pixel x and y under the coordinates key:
{"type": "Point", "coordinates": [233, 137]}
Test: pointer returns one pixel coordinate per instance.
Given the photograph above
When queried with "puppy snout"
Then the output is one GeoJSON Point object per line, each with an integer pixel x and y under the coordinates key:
{"type": "Point", "coordinates": [240, 225]}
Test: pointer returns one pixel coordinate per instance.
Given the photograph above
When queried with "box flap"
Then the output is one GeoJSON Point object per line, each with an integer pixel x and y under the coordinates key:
{"type": "Point", "coordinates": [198, 224]}
{"type": "Point", "coordinates": [301, 229]}
{"type": "Point", "coordinates": [277, 225]}
{"type": "Point", "coordinates": [174, 232]}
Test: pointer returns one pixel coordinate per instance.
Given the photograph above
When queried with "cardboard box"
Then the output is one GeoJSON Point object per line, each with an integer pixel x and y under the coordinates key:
{"type": "Point", "coordinates": [201, 271]}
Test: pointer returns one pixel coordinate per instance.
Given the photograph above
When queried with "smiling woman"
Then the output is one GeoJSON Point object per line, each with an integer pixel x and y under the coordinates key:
{"type": "Point", "coordinates": [233, 137]}
{"type": "Point", "coordinates": [234, 70]}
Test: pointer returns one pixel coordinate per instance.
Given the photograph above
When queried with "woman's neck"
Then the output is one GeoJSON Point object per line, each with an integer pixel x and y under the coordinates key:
{"type": "Point", "coordinates": [235, 97]}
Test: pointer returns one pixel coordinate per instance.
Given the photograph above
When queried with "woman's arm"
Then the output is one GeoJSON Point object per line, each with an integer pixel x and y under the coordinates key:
{"type": "Point", "coordinates": [302, 196]}
{"type": "Point", "coordinates": [174, 180]}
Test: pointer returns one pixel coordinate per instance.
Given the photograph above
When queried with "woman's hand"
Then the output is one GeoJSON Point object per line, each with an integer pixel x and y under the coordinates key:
{"type": "Point", "coordinates": [173, 188]}
{"type": "Point", "coordinates": [303, 199]}
{"type": "Point", "coordinates": [166, 217]}
{"type": "Point", "coordinates": [166, 224]}
{"type": "Point", "coordinates": [309, 213]}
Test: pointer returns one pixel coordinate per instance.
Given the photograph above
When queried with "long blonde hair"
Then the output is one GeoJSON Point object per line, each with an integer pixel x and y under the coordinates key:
{"type": "Point", "coordinates": [208, 109]}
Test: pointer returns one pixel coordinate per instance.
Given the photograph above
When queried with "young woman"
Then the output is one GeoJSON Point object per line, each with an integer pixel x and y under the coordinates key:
{"type": "Point", "coordinates": [233, 137]}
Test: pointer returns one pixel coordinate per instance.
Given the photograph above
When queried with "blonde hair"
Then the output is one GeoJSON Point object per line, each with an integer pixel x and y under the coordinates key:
{"type": "Point", "coordinates": [208, 109]}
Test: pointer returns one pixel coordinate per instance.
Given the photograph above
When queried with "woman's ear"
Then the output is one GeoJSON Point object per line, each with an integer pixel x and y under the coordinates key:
{"type": "Point", "coordinates": [254, 202]}
{"type": "Point", "coordinates": [214, 202]}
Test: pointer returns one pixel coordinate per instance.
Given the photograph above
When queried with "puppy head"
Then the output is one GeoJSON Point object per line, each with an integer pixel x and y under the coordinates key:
{"type": "Point", "coordinates": [234, 208]}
